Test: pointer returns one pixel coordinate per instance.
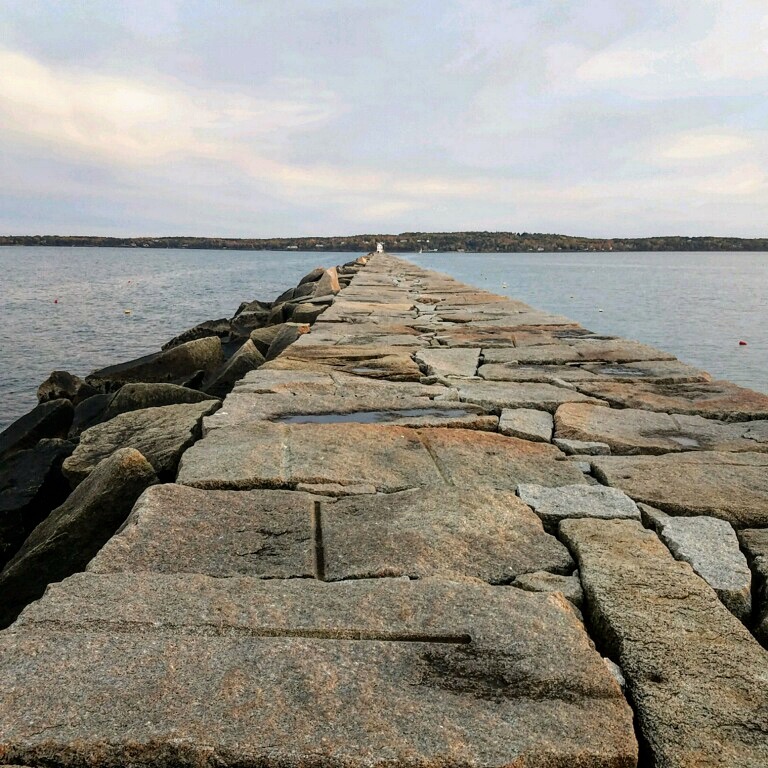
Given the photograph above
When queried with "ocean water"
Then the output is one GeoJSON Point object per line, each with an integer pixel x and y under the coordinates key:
{"type": "Point", "coordinates": [698, 306]}
{"type": "Point", "coordinates": [64, 308]}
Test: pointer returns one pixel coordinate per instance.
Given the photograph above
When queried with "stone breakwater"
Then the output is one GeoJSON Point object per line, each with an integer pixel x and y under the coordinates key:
{"type": "Point", "coordinates": [441, 529]}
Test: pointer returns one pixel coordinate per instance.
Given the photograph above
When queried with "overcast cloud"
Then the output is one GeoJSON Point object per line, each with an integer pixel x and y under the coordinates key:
{"type": "Point", "coordinates": [297, 117]}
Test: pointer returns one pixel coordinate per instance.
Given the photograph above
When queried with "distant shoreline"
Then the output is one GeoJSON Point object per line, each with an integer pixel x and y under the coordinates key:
{"type": "Point", "coordinates": [409, 242]}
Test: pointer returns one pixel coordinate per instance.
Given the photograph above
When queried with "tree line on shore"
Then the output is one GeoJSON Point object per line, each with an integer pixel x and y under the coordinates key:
{"type": "Point", "coordinates": [408, 242]}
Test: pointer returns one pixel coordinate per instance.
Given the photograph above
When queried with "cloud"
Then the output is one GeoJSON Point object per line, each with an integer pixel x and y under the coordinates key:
{"type": "Point", "coordinates": [702, 146]}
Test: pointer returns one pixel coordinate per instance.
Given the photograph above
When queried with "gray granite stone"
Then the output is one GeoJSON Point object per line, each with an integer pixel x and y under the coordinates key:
{"type": "Point", "coordinates": [582, 447]}
{"type": "Point", "coordinates": [445, 531]}
{"type": "Point", "coordinates": [458, 361]}
{"type": "Point", "coordinates": [544, 581]}
{"type": "Point", "coordinates": [497, 395]}
{"type": "Point", "coordinates": [555, 504]}
{"type": "Point", "coordinates": [696, 677]}
{"type": "Point", "coordinates": [176, 529]}
{"type": "Point", "coordinates": [712, 549]}
{"type": "Point", "coordinates": [527, 424]}
{"type": "Point", "coordinates": [161, 435]}
{"type": "Point", "coordinates": [267, 455]}
{"type": "Point", "coordinates": [730, 486]}
{"type": "Point", "coordinates": [633, 431]}
{"type": "Point", "coordinates": [158, 670]}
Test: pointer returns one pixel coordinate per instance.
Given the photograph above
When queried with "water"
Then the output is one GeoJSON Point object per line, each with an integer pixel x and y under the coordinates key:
{"type": "Point", "coordinates": [697, 306]}
{"type": "Point", "coordinates": [167, 291]}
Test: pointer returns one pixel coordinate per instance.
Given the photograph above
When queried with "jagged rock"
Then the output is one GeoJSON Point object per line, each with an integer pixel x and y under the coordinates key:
{"type": "Point", "coordinates": [73, 533]}
{"type": "Point", "coordinates": [555, 504]}
{"type": "Point", "coordinates": [711, 548]}
{"type": "Point", "coordinates": [284, 338]}
{"type": "Point", "coordinates": [247, 358]}
{"type": "Point", "coordinates": [307, 312]}
{"type": "Point", "coordinates": [90, 411]}
{"type": "Point", "coordinates": [544, 581]}
{"type": "Point", "coordinates": [327, 283]}
{"type": "Point", "coordinates": [755, 544]}
{"type": "Point", "coordinates": [263, 337]}
{"type": "Point", "coordinates": [697, 678]}
{"type": "Point", "coordinates": [160, 434]}
{"type": "Point", "coordinates": [46, 420]}
{"type": "Point", "coordinates": [31, 485]}
{"type": "Point", "coordinates": [151, 670]}
{"type": "Point", "coordinates": [254, 306]}
{"type": "Point", "coordinates": [221, 328]}
{"type": "Point", "coordinates": [313, 276]}
{"type": "Point", "coordinates": [730, 486]}
{"type": "Point", "coordinates": [134, 397]}
{"type": "Point", "coordinates": [441, 531]}
{"type": "Point", "coordinates": [62, 385]}
{"type": "Point", "coordinates": [165, 366]}
{"type": "Point", "coordinates": [527, 424]}
{"type": "Point", "coordinates": [247, 321]}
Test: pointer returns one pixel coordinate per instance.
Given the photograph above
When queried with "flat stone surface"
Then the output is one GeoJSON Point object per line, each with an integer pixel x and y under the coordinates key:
{"type": "Point", "coordinates": [176, 529]}
{"type": "Point", "coordinates": [501, 394]}
{"type": "Point", "coordinates": [661, 371]}
{"type": "Point", "coordinates": [717, 399]}
{"type": "Point", "coordinates": [698, 680]}
{"type": "Point", "coordinates": [632, 431]}
{"type": "Point", "coordinates": [578, 351]}
{"type": "Point", "coordinates": [457, 361]}
{"type": "Point", "coordinates": [160, 434]}
{"type": "Point", "coordinates": [754, 541]}
{"type": "Point", "coordinates": [158, 670]}
{"type": "Point", "coordinates": [582, 447]}
{"type": "Point", "coordinates": [445, 531]}
{"type": "Point", "coordinates": [533, 373]}
{"type": "Point", "coordinates": [527, 424]}
{"type": "Point", "coordinates": [711, 548]}
{"type": "Point", "coordinates": [555, 504]}
{"type": "Point", "coordinates": [730, 486]}
{"type": "Point", "coordinates": [544, 581]}
{"type": "Point", "coordinates": [74, 532]}
{"type": "Point", "coordinates": [268, 455]}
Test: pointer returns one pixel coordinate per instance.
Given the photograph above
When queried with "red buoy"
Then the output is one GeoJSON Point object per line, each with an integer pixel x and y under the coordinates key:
{"type": "Point", "coordinates": [742, 343]}
{"type": "Point", "coordinates": [55, 301]}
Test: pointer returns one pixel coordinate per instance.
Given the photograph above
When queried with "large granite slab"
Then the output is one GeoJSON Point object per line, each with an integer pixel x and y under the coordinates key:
{"type": "Point", "coordinates": [634, 431]}
{"type": "Point", "coordinates": [497, 395]}
{"type": "Point", "coordinates": [696, 677]}
{"type": "Point", "coordinates": [177, 529]}
{"type": "Point", "coordinates": [390, 458]}
{"type": "Point", "coordinates": [445, 531]}
{"type": "Point", "coordinates": [716, 399]}
{"type": "Point", "coordinates": [731, 486]}
{"type": "Point", "coordinates": [578, 351]}
{"type": "Point", "coordinates": [153, 670]}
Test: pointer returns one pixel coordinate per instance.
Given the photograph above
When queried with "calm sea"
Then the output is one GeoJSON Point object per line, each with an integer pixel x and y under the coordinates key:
{"type": "Point", "coordinates": [696, 305]}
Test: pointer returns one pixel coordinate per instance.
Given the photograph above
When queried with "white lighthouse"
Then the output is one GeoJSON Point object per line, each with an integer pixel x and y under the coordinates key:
{"type": "Point", "coordinates": [379, 247]}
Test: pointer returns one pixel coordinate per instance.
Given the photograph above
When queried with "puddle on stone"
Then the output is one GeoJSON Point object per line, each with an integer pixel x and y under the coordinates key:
{"type": "Point", "coordinates": [373, 417]}
{"type": "Point", "coordinates": [619, 370]}
{"type": "Point", "coordinates": [686, 442]}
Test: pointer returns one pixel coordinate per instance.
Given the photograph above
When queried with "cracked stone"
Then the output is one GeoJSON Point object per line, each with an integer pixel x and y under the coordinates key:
{"type": "Point", "coordinates": [527, 424]}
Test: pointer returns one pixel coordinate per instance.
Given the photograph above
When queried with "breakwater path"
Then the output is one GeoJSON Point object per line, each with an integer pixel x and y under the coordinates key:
{"type": "Point", "coordinates": [441, 529]}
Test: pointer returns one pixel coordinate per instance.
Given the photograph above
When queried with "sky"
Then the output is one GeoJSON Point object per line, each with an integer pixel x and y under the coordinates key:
{"type": "Point", "coordinates": [259, 118]}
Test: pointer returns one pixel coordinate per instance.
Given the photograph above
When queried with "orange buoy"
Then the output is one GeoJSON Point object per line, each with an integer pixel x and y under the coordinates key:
{"type": "Point", "coordinates": [742, 343]}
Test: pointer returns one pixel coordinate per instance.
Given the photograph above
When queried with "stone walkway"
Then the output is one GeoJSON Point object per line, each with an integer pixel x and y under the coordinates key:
{"type": "Point", "coordinates": [373, 557]}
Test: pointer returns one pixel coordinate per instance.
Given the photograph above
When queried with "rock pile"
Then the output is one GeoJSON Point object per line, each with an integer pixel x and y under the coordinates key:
{"type": "Point", "coordinates": [152, 406]}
